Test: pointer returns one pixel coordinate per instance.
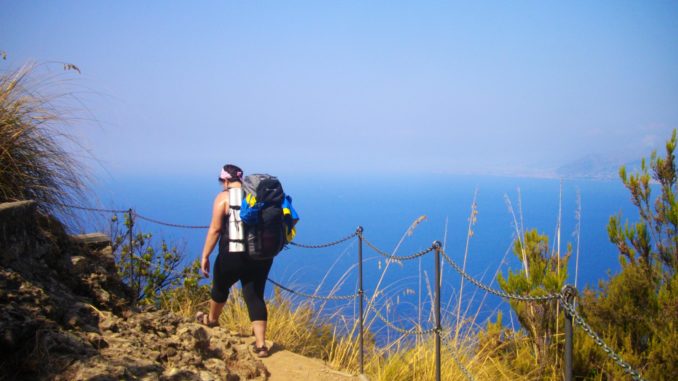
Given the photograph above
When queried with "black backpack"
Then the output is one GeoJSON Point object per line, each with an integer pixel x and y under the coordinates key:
{"type": "Point", "coordinates": [262, 213]}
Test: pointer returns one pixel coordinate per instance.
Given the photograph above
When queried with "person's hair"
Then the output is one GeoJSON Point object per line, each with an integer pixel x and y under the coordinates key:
{"type": "Point", "coordinates": [234, 171]}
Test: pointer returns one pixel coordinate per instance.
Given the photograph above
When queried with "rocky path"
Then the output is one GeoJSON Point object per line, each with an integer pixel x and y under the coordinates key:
{"type": "Point", "coordinates": [283, 365]}
{"type": "Point", "coordinates": [65, 315]}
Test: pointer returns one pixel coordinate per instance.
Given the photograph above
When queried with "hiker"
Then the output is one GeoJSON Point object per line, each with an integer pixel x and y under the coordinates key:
{"type": "Point", "coordinates": [233, 263]}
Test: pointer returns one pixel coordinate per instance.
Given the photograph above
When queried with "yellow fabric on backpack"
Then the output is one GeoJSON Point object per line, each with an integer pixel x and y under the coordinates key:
{"type": "Point", "coordinates": [290, 232]}
{"type": "Point", "coordinates": [251, 200]}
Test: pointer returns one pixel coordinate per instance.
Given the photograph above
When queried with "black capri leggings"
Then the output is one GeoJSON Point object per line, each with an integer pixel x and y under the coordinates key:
{"type": "Point", "coordinates": [231, 267]}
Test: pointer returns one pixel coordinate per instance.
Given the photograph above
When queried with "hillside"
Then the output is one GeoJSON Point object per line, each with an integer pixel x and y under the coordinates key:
{"type": "Point", "coordinates": [595, 166]}
{"type": "Point", "coordinates": [66, 316]}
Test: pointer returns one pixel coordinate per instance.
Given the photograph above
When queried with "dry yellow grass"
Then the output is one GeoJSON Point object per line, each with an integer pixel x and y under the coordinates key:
{"type": "Point", "coordinates": [34, 165]}
{"type": "Point", "coordinates": [302, 326]}
{"type": "Point", "coordinates": [296, 328]}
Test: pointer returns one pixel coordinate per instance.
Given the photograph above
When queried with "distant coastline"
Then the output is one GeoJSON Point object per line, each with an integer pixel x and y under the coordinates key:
{"type": "Point", "coordinates": [590, 167]}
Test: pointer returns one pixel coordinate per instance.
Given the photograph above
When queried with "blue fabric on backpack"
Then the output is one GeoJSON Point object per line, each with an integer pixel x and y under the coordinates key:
{"type": "Point", "coordinates": [292, 216]}
{"type": "Point", "coordinates": [290, 219]}
{"type": "Point", "coordinates": [250, 208]}
{"type": "Point", "coordinates": [250, 214]}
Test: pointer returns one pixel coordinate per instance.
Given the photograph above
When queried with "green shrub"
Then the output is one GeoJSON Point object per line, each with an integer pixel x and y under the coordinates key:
{"type": "Point", "coordinates": [542, 273]}
{"type": "Point", "coordinates": [636, 310]}
{"type": "Point", "coordinates": [148, 268]}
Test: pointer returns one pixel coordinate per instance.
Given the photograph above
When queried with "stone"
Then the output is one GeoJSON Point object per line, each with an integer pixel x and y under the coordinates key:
{"type": "Point", "coordinates": [60, 296]}
{"type": "Point", "coordinates": [96, 340]}
{"type": "Point", "coordinates": [171, 352]}
{"type": "Point", "coordinates": [102, 296]}
{"type": "Point", "coordinates": [215, 366]}
{"type": "Point", "coordinates": [108, 325]}
{"type": "Point", "coordinates": [207, 376]}
{"type": "Point", "coordinates": [202, 340]}
{"type": "Point", "coordinates": [79, 263]}
{"type": "Point", "coordinates": [180, 375]}
{"type": "Point", "coordinates": [150, 377]}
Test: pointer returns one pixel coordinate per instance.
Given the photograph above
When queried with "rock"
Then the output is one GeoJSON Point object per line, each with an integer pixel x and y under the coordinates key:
{"type": "Point", "coordinates": [66, 315]}
{"type": "Point", "coordinates": [150, 377]}
{"type": "Point", "coordinates": [102, 296]}
{"type": "Point", "coordinates": [216, 366]}
{"type": "Point", "coordinates": [207, 376]}
{"type": "Point", "coordinates": [180, 375]}
{"type": "Point", "coordinates": [171, 352]}
{"type": "Point", "coordinates": [96, 340]}
{"type": "Point", "coordinates": [202, 340]}
{"type": "Point", "coordinates": [108, 325]}
{"type": "Point", "coordinates": [79, 263]}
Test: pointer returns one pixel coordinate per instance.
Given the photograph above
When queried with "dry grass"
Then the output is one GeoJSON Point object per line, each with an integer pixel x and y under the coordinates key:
{"type": "Point", "coordinates": [303, 326]}
{"type": "Point", "coordinates": [487, 351]}
{"type": "Point", "coordinates": [34, 164]}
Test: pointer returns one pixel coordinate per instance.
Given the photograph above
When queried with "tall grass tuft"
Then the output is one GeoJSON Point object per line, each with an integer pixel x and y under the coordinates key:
{"type": "Point", "coordinates": [33, 161]}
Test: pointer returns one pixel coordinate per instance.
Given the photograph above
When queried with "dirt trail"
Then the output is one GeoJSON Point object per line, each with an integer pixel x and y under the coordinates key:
{"type": "Point", "coordinates": [284, 365]}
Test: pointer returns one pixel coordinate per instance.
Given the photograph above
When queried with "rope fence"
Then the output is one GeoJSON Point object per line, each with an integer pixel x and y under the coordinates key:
{"type": "Point", "coordinates": [158, 222]}
{"type": "Point", "coordinates": [503, 294]}
{"type": "Point", "coordinates": [456, 359]}
{"type": "Point", "coordinates": [393, 256]}
{"type": "Point", "coordinates": [564, 298]}
{"type": "Point", "coordinates": [572, 311]}
{"type": "Point", "coordinates": [325, 245]}
{"type": "Point", "coordinates": [314, 296]}
{"type": "Point", "coordinates": [411, 331]}
{"type": "Point", "coordinates": [90, 209]}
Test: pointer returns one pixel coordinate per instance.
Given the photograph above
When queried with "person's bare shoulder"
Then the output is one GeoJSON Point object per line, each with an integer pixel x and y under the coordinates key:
{"type": "Point", "coordinates": [222, 201]}
{"type": "Point", "coordinates": [222, 196]}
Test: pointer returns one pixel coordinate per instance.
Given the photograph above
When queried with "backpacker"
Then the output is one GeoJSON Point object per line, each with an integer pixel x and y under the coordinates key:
{"type": "Point", "coordinates": [268, 216]}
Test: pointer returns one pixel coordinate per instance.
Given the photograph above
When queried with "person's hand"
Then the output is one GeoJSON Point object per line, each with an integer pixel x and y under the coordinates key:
{"type": "Point", "coordinates": [205, 266]}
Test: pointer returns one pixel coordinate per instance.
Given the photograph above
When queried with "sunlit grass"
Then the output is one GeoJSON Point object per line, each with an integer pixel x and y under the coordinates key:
{"type": "Point", "coordinates": [34, 165]}
{"type": "Point", "coordinates": [305, 326]}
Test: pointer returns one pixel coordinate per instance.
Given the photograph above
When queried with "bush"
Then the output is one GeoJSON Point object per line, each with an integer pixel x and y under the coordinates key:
{"type": "Point", "coordinates": [636, 310]}
{"type": "Point", "coordinates": [149, 269]}
{"type": "Point", "coordinates": [33, 163]}
{"type": "Point", "coordinates": [542, 273]}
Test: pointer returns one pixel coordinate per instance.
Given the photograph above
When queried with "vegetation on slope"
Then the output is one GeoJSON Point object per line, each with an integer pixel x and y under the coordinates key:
{"type": "Point", "coordinates": [34, 165]}
{"type": "Point", "coordinates": [637, 309]}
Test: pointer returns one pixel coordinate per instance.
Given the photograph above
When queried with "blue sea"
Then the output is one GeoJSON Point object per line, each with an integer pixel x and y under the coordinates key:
{"type": "Point", "coordinates": [331, 208]}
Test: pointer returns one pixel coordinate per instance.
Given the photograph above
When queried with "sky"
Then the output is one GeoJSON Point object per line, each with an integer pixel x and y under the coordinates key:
{"type": "Point", "coordinates": [345, 87]}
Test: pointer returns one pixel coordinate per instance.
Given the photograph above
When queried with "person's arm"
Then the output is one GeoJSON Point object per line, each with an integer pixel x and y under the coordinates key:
{"type": "Point", "coordinates": [218, 210]}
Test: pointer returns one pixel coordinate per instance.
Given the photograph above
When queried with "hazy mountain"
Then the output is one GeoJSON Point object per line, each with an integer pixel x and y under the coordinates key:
{"type": "Point", "coordinates": [596, 166]}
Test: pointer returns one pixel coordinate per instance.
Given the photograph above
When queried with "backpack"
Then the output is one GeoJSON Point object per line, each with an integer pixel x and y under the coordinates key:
{"type": "Point", "coordinates": [268, 216]}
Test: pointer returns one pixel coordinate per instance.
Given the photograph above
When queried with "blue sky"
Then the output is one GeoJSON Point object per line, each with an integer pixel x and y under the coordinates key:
{"type": "Point", "coordinates": [358, 86]}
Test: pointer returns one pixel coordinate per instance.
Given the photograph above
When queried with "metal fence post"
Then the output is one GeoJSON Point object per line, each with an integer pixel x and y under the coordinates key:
{"type": "Point", "coordinates": [361, 296]}
{"type": "Point", "coordinates": [437, 247]}
{"type": "Point", "coordinates": [130, 214]}
{"type": "Point", "coordinates": [569, 293]}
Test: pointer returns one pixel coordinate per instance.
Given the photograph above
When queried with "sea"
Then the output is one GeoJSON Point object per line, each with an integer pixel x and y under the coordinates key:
{"type": "Point", "coordinates": [386, 207]}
